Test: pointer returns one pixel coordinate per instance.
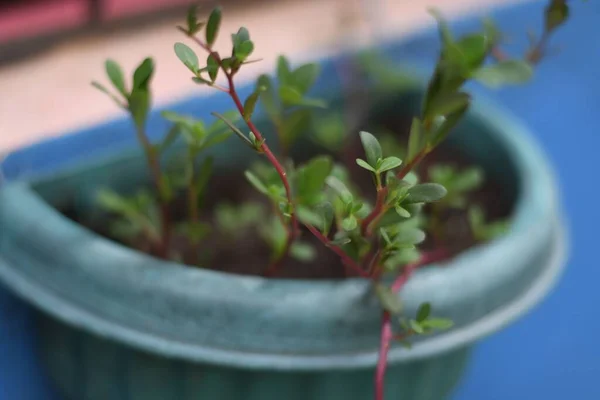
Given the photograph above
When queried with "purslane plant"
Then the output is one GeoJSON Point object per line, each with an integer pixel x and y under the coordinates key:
{"type": "Point", "coordinates": [375, 240]}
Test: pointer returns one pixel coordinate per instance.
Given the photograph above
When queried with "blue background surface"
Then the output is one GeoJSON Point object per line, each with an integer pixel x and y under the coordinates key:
{"type": "Point", "coordinates": [553, 353]}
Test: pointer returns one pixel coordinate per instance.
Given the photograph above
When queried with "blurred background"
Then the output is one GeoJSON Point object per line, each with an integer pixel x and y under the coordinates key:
{"type": "Point", "coordinates": [50, 50]}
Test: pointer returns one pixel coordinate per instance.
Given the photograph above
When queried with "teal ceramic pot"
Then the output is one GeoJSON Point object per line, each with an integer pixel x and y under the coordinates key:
{"type": "Point", "coordinates": [117, 324]}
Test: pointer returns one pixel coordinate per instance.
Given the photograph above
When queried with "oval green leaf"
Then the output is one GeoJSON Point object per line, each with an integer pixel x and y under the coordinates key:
{"type": "Point", "coordinates": [372, 148]}
{"type": "Point", "coordinates": [115, 74]}
{"type": "Point", "coordinates": [212, 27]}
{"type": "Point", "coordinates": [187, 56]}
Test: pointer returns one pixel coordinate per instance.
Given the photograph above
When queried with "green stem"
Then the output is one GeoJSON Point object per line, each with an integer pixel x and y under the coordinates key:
{"type": "Point", "coordinates": [155, 171]}
{"type": "Point", "coordinates": [380, 209]}
{"type": "Point", "coordinates": [192, 192]}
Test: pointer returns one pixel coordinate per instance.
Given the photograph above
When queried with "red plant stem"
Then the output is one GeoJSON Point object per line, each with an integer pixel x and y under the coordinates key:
{"type": "Point", "coordinates": [406, 274]}
{"type": "Point", "coordinates": [346, 260]}
{"type": "Point", "coordinates": [386, 326]}
{"type": "Point", "coordinates": [387, 335]}
{"type": "Point", "coordinates": [384, 347]}
{"type": "Point", "coordinates": [379, 208]}
{"type": "Point", "coordinates": [267, 151]}
{"type": "Point", "coordinates": [294, 230]}
{"type": "Point", "coordinates": [498, 54]}
{"type": "Point", "coordinates": [536, 53]}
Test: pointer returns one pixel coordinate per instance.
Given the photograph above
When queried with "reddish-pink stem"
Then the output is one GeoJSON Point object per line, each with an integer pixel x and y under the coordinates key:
{"type": "Point", "coordinates": [346, 260]}
{"type": "Point", "coordinates": [293, 230]}
{"type": "Point", "coordinates": [386, 327]}
{"type": "Point", "coordinates": [387, 335]}
{"type": "Point", "coordinates": [384, 347]}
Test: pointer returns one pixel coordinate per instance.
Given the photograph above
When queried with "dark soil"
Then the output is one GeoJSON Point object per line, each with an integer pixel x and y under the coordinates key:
{"type": "Point", "coordinates": [248, 254]}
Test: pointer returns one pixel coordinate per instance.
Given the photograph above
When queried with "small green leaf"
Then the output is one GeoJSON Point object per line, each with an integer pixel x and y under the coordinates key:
{"type": "Point", "coordinates": [491, 30]}
{"type": "Point", "coordinates": [303, 251]}
{"type": "Point", "coordinates": [372, 148]}
{"type": "Point", "coordinates": [294, 124]}
{"type": "Point", "coordinates": [416, 140]}
{"type": "Point", "coordinates": [229, 63]}
{"type": "Point", "coordinates": [143, 74]}
{"type": "Point", "coordinates": [139, 106]}
{"type": "Point", "coordinates": [311, 176]}
{"type": "Point", "coordinates": [177, 118]}
{"type": "Point", "coordinates": [256, 143]}
{"type": "Point", "coordinates": [212, 27]}
{"type": "Point", "coordinates": [283, 70]}
{"type": "Point", "coordinates": [444, 30]}
{"type": "Point", "coordinates": [192, 20]}
{"type": "Point", "coordinates": [165, 188]}
{"type": "Point", "coordinates": [201, 81]}
{"type": "Point", "coordinates": [476, 217]}
{"type": "Point", "coordinates": [250, 103]}
{"type": "Point", "coordinates": [447, 104]}
{"type": "Point", "coordinates": [243, 50]}
{"type": "Point", "coordinates": [557, 14]}
{"type": "Point", "coordinates": [409, 237]}
{"type": "Point", "coordinates": [416, 327]}
{"type": "Point", "coordinates": [304, 77]}
{"type": "Point", "coordinates": [216, 139]}
{"type": "Point", "coordinates": [240, 37]}
{"type": "Point", "coordinates": [349, 223]}
{"type": "Point", "coordinates": [194, 231]}
{"type": "Point", "coordinates": [388, 299]}
{"type": "Point", "coordinates": [170, 138]}
{"type": "Point", "coordinates": [365, 165]}
{"type": "Point", "coordinates": [267, 96]}
{"type": "Point", "coordinates": [257, 183]}
{"type": "Point", "coordinates": [446, 125]}
{"type": "Point", "coordinates": [437, 323]}
{"type": "Point", "coordinates": [474, 48]}
{"type": "Point", "coordinates": [114, 202]}
{"type": "Point", "coordinates": [290, 96]}
{"type": "Point", "coordinates": [212, 67]}
{"type": "Point", "coordinates": [187, 57]}
{"type": "Point", "coordinates": [385, 236]}
{"type": "Point", "coordinates": [389, 163]}
{"type": "Point", "coordinates": [341, 241]}
{"type": "Point", "coordinates": [467, 180]}
{"type": "Point", "coordinates": [326, 213]}
{"type": "Point", "coordinates": [329, 131]}
{"type": "Point", "coordinates": [340, 188]}
{"type": "Point", "coordinates": [308, 216]}
{"type": "Point", "coordinates": [510, 72]}
{"type": "Point", "coordinates": [234, 129]}
{"type": "Point", "coordinates": [203, 174]}
{"type": "Point", "coordinates": [309, 102]}
{"type": "Point", "coordinates": [425, 193]}
{"type": "Point", "coordinates": [104, 90]}
{"type": "Point", "coordinates": [113, 70]}
{"type": "Point", "coordinates": [402, 212]}
{"type": "Point", "coordinates": [100, 87]}
{"type": "Point", "coordinates": [423, 312]}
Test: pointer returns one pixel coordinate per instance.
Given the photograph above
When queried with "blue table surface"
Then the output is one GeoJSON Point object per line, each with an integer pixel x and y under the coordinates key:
{"type": "Point", "coordinates": [554, 352]}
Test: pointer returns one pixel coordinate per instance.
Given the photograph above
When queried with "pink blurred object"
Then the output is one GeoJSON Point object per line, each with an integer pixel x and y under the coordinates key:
{"type": "Point", "coordinates": [24, 19]}
{"type": "Point", "coordinates": [114, 9]}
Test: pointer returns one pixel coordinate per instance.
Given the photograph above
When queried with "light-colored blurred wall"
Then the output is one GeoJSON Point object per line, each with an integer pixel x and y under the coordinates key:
{"type": "Point", "coordinates": [50, 94]}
